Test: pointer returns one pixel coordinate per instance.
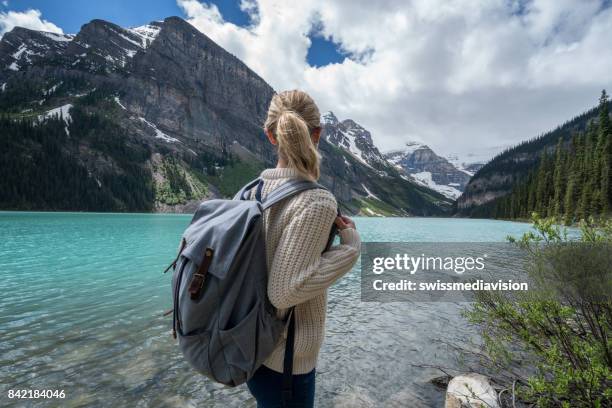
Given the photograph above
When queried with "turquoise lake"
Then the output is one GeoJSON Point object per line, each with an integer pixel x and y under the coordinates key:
{"type": "Point", "coordinates": [83, 296]}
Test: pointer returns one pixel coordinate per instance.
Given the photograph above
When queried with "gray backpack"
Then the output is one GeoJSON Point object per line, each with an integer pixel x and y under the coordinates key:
{"type": "Point", "coordinates": [224, 321]}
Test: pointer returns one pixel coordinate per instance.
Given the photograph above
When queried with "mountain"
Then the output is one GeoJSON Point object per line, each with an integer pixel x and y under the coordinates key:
{"type": "Point", "coordinates": [469, 167]}
{"type": "Point", "coordinates": [353, 138]}
{"type": "Point", "coordinates": [424, 166]}
{"type": "Point", "coordinates": [513, 167]}
{"type": "Point", "coordinates": [375, 187]}
{"type": "Point", "coordinates": [153, 118]}
{"type": "Point", "coordinates": [22, 47]}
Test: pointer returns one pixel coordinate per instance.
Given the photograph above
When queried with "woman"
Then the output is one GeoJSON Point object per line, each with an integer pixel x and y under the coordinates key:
{"type": "Point", "coordinates": [296, 233]}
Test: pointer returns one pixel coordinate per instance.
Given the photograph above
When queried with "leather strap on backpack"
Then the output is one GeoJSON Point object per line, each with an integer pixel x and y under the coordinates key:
{"type": "Point", "coordinates": [198, 278]}
{"type": "Point", "coordinates": [287, 385]}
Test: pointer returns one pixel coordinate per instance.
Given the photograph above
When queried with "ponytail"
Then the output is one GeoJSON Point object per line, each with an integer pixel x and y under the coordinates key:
{"type": "Point", "coordinates": [292, 117]}
{"type": "Point", "coordinates": [295, 145]}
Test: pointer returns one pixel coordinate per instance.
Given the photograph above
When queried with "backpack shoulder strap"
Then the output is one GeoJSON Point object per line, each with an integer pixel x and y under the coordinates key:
{"type": "Point", "coordinates": [243, 193]}
{"type": "Point", "coordinates": [287, 190]}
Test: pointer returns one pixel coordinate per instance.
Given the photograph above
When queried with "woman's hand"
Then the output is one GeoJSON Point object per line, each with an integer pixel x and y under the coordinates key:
{"type": "Point", "coordinates": [343, 222]}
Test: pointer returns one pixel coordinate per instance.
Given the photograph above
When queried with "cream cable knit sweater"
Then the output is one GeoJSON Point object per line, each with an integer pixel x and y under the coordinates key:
{"type": "Point", "coordinates": [296, 233]}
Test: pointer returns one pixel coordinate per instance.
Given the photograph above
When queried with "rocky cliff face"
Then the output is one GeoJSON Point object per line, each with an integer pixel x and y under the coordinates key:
{"type": "Point", "coordinates": [424, 166]}
{"type": "Point", "coordinates": [188, 112]}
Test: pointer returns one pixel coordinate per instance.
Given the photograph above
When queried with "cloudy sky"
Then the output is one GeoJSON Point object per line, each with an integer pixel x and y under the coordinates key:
{"type": "Point", "coordinates": [466, 77]}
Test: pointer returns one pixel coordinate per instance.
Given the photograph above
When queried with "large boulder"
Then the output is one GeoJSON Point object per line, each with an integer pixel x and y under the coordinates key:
{"type": "Point", "coordinates": [470, 390]}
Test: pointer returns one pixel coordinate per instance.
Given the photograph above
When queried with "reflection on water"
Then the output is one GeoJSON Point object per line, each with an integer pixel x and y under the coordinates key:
{"type": "Point", "coordinates": [83, 297]}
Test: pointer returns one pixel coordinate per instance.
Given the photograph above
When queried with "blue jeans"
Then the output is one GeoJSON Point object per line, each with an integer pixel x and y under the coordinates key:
{"type": "Point", "coordinates": [266, 386]}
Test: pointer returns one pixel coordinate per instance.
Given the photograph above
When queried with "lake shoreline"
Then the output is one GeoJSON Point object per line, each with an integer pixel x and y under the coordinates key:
{"type": "Point", "coordinates": [189, 214]}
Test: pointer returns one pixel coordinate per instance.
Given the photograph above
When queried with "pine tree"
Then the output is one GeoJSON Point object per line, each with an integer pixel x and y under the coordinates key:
{"type": "Point", "coordinates": [558, 179]}
{"type": "Point", "coordinates": [569, 201]}
{"type": "Point", "coordinates": [572, 191]}
{"type": "Point", "coordinates": [531, 195]}
{"type": "Point", "coordinates": [542, 187]}
{"type": "Point", "coordinates": [587, 182]}
{"type": "Point", "coordinates": [603, 153]}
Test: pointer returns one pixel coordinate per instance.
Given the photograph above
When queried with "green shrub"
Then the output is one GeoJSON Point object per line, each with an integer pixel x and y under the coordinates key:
{"type": "Point", "coordinates": [554, 344]}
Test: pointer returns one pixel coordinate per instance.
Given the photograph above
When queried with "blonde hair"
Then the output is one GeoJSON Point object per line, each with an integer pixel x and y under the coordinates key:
{"type": "Point", "coordinates": [292, 117]}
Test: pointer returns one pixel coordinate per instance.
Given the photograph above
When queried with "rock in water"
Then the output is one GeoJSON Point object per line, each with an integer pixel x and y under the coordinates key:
{"type": "Point", "coordinates": [472, 390]}
{"type": "Point", "coordinates": [441, 382]}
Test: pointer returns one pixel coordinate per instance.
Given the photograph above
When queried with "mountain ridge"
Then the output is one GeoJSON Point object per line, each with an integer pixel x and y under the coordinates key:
{"type": "Point", "coordinates": [187, 112]}
{"type": "Point", "coordinates": [419, 162]}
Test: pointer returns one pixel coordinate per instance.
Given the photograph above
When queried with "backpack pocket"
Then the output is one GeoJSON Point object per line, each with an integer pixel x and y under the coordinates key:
{"type": "Point", "coordinates": [195, 349]}
{"type": "Point", "coordinates": [239, 346]}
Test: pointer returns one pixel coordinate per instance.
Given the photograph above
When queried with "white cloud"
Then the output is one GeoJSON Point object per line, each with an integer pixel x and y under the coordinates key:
{"type": "Point", "coordinates": [28, 19]}
{"type": "Point", "coordinates": [462, 76]}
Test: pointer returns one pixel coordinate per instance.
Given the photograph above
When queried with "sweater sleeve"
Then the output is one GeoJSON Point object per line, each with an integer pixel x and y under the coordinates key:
{"type": "Point", "coordinates": [299, 271]}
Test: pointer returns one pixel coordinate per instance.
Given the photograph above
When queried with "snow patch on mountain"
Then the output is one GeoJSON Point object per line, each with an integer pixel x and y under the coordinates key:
{"type": "Point", "coordinates": [348, 142]}
{"type": "Point", "coordinates": [147, 33]}
{"type": "Point", "coordinates": [369, 193]}
{"type": "Point", "coordinates": [462, 165]}
{"type": "Point", "coordinates": [158, 133]}
{"type": "Point", "coordinates": [23, 53]}
{"type": "Point", "coordinates": [116, 98]}
{"type": "Point", "coordinates": [53, 88]}
{"type": "Point", "coordinates": [328, 118]}
{"type": "Point", "coordinates": [127, 38]}
{"type": "Point", "coordinates": [58, 37]}
{"type": "Point", "coordinates": [61, 111]}
{"type": "Point", "coordinates": [409, 148]}
{"type": "Point", "coordinates": [425, 178]}
{"type": "Point", "coordinates": [22, 48]}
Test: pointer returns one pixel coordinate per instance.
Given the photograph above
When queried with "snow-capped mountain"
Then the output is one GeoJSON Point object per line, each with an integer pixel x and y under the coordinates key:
{"type": "Point", "coordinates": [423, 165]}
{"type": "Point", "coordinates": [415, 162]}
{"type": "Point", "coordinates": [100, 46]}
{"type": "Point", "coordinates": [91, 48]}
{"type": "Point", "coordinates": [361, 158]}
{"type": "Point", "coordinates": [353, 138]}
{"type": "Point", "coordinates": [21, 47]}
